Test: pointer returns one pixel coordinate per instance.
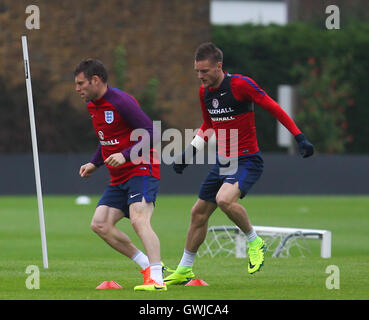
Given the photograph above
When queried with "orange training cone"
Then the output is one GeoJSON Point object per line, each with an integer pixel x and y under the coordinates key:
{"type": "Point", "coordinates": [197, 282]}
{"type": "Point", "coordinates": [109, 285]}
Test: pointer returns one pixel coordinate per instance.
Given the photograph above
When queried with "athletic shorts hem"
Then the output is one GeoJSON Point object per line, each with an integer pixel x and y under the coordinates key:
{"type": "Point", "coordinates": [243, 193]}
{"type": "Point", "coordinates": [133, 190]}
{"type": "Point", "coordinates": [209, 200]}
{"type": "Point", "coordinates": [248, 173]}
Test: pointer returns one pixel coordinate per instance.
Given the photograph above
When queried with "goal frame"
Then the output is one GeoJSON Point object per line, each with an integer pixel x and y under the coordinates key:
{"type": "Point", "coordinates": [325, 236]}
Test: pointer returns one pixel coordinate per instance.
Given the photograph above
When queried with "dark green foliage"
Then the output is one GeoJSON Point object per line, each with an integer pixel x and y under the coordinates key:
{"type": "Point", "coordinates": [274, 55]}
{"type": "Point", "coordinates": [60, 127]}
{"type": "Point", "coordinates": [148, 97]}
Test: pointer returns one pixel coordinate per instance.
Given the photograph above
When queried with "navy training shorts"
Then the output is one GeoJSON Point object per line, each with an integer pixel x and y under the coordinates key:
{"type": "Point", "coordinates": [249, 170]}
{"type": "Point", "coordinates": [133, 190]}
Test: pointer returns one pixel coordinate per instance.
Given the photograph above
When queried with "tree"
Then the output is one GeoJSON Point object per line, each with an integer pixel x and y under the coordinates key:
{"type": "Point", "coordinates": [324, 95]}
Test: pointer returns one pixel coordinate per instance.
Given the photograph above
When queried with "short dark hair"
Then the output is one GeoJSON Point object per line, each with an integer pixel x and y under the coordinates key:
{"type": "Point", "coordinates": [91, 67]}
{"type": "Point", "coordinates": [208, 51]}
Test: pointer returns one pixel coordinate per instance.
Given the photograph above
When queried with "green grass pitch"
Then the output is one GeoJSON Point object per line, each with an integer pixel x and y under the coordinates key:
{"type": "Point", "coordinates": [79, 260]}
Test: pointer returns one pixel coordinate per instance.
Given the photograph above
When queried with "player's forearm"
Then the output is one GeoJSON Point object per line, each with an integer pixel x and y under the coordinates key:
{"type": "Point", "coordinates": [203, 135]}
{"type": "Point", "coordinates": [97, 159]}
{"type": "Point", "coordinates": [274, 108]}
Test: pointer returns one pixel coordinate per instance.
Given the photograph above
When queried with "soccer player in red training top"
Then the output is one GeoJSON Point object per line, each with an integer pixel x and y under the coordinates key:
{"type": "Point", "coordinates": [227, 103]}
{"type": "Point", "coordinates": [133, 187]}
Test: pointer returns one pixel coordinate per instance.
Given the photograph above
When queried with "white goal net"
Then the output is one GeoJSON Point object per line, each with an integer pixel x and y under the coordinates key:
{"type": "Point", "coordinates": [280, 242]}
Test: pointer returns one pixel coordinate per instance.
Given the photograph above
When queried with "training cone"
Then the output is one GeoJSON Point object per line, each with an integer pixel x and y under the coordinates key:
{"type": "Point", "coordinates": [109, 285]}
{"type": "Point", "coordinates": [197, 282]}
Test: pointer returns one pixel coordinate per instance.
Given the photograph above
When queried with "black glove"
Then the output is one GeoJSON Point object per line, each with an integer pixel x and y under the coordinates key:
{"type": "Point", "coordinates": [178, 168]}
{"type": "Point", "coordinates": [182, 162]}
{"type": "Point", "coordinates": [306, 149]}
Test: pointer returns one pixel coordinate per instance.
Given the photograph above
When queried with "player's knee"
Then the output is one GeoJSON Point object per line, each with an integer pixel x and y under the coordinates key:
{"type": "Point", "coordinates": [101, 228]}
{"type": "Point", "coordinates": [136, 221]}
{"type": "Point", "coordinates": [140, 214]}
{"type": "Point", "coordinates": [223, 202]}
{"type": "Point", "coordinates": [139, 221]}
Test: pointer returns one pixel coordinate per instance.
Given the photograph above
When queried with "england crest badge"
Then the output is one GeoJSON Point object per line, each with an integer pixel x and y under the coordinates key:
{"type": "Point", "coordinates": [109, 116]}
{"type": "Point", "coordinates": [215, 103]}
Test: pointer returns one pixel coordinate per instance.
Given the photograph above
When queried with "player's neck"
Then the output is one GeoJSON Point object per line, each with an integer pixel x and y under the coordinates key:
{"type": "Point", "coordinates": [218, 82]}
{"type": "Point", "coordinates": [102, 92]}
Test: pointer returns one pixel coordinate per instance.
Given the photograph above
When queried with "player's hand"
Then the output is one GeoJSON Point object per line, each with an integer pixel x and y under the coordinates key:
{"type": "Point", "coordinates": [115, 159]}
{"type": "Point", "coordinates": [178, 168]}
{"type": "Point", "coordinates": [86, 170]}
{"type": "Point", "coordinates": [306, 149]}
{"type": "Point", "coordinates": [181, 162]}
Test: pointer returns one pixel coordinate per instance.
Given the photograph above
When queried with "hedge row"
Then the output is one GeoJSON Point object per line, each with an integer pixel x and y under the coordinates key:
{"type": "Point", "coordinates": [274, 55]}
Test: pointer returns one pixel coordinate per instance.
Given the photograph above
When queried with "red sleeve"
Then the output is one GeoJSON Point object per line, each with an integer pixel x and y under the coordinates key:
{"type": "Point", "coordinates": [245, 88]}
{"type": "Point", "coordinates": [274, 108]}
{"type": "Point", "coordinates": [206, 124]}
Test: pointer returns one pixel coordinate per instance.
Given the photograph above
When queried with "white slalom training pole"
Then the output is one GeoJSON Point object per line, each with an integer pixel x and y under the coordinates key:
{"type": "Point", "coordinates": [35, 151]}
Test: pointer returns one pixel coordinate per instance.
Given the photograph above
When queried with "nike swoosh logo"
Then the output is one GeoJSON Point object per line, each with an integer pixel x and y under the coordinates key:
{"type": "Point", "coordinates": [251, 265]}
{"type": "Point", "coordinates": [223, 93]}
{"type": "Point", "coordinates": [185, 281]}
{"type": "Point", "coordinates": [134, 195]}
{"type": "Point", "coordinates": [158, 288]}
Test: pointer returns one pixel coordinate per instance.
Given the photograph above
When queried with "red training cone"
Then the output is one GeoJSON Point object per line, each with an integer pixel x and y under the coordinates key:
{"type": "Point", "coordinates": [197, 282]}
{"type": "Point", "coordinates": [109, 285]}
